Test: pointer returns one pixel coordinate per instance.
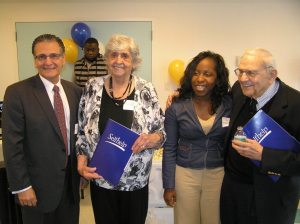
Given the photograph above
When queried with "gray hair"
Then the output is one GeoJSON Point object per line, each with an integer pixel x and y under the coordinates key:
{"type": "Point", "coordinates": [263, 54]}
{"type": "Point", "coordinates": [119, 42]}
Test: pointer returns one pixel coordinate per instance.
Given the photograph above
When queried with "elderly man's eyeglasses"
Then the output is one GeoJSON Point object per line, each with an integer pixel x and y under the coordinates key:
{"type": "Point", "coordinates": [43, 57]}
{"type": "Point", "coordinates": [248, 73]}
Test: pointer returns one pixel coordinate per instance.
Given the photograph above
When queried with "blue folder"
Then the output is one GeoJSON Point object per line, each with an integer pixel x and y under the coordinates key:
{"type": "Point", "coordinates": [113, 151]}
{"type": "Point", "coordinates": [262, 128]}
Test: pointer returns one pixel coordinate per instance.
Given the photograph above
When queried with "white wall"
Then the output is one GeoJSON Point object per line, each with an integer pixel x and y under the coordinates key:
{"type": "Point", "coordinates": [180, 30]}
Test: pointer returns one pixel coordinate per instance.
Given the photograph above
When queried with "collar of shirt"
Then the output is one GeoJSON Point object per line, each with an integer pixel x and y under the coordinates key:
{"type": "Point", "coordinates": [267, 95]}
{"type": "Point", "coordinates": [49, 88]}
{"type": "Point", "coordinates": [86, 62]}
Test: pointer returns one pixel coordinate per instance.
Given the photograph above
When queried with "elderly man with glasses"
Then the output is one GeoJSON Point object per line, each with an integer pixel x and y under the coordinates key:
{"type": "Point", "coordinates": [248, 195]}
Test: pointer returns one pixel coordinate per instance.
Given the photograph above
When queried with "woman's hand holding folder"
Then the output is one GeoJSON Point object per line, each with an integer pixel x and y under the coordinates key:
{"type": "Point", "coordinates": [88, 173]}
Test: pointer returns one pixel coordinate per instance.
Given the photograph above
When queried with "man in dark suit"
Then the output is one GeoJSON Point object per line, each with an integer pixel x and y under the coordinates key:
{"type": "Point", "coordinates": [249, 196]}
{"type": "Point", "coordinates": [38, 141]}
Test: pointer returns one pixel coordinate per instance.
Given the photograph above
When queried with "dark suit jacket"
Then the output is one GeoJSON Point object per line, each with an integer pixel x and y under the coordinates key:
{"type": "Point", "coordinates": [276, 203]}
{"type": "Point", "coordinates": [33, 146]}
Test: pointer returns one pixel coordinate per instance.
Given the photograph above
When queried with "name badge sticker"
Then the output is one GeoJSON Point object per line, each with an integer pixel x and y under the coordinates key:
{"type": "Point", "coordinates": [129, 105]}
{"type": "Point", "coordinates": [225, 122]}
{"type": "Point", "coordinates": [76, 129]}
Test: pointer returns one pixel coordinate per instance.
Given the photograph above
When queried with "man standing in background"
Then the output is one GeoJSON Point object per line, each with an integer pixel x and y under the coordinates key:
{"type": "Point", "coordinates": [39, 117]}
{"type": "Point", "coordinates": [91, 65]}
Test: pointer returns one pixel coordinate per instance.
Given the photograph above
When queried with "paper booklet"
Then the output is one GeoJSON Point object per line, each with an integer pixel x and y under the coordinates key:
{"type": "Point", "coordinates": [113, 151]}
{"type": "Point", "coordinates": [269, 133]}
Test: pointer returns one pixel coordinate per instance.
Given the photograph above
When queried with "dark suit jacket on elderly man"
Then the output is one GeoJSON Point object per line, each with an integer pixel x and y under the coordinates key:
{"type": "Point", "coordinates": [275, 203]}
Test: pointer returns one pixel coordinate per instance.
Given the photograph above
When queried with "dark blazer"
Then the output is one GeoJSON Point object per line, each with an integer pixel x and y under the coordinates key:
{"type": "Point", "coordinates": [33, 146]}
{"type": "Point", "coordinates": [276, 203]}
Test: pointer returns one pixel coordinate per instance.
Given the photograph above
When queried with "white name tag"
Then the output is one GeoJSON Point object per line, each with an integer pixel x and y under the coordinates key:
{"type": "Point", "coordinates": [76, 129]}
{"type": "Point", "coordinates": [225, 121]}
{"type": "Point", "coordinates": [129, 105]}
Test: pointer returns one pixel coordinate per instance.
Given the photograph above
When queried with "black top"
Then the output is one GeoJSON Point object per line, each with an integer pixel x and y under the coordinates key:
{"type": "Point", "coordinates": [239, 167]}
{"type": "Point", "coordinates": [113, 109]}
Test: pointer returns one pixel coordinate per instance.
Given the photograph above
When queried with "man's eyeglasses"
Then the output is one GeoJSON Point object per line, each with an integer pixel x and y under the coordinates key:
{"type": "Point", "coordinates": [248, 73]}
{"type": "Point", "coordinates": [43, 57]}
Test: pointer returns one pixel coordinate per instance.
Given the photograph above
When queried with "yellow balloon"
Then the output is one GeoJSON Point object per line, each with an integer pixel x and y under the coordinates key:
{"type": "Point", "coordinates": [176, 70]}
{"type": "Point", "coordinates": [71, 50]}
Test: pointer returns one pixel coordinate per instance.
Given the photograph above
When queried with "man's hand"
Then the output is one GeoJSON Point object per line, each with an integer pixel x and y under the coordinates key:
{"type": "Point", "coordinates": [170, 197]}
{"type": "Point", "coordinates": [250, 149]}
{"type": "Point", "coordinates": [27, 198]}
{"type": "Point", "coordinates": [170, 98]}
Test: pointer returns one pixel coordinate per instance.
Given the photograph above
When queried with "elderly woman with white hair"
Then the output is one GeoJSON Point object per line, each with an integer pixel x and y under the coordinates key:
{"type": "Point", "coordinates": [104, 98]}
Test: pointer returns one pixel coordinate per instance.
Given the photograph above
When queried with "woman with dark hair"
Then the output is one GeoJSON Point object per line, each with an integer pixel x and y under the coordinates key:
{"type": "Point", "coordinates": [196, 125]}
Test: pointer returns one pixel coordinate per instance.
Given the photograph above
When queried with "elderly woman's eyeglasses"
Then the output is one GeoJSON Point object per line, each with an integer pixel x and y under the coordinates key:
{"type": "Point", "coordinates": [43, 57]}
{"type": "Point", "coordinates": [123, 55]}
{"type": "Point", "coordinates": [248, 73]}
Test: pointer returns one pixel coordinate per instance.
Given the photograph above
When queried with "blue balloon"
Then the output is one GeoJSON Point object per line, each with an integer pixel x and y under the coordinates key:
{"type": "Point", "coordinates": [80, 32]}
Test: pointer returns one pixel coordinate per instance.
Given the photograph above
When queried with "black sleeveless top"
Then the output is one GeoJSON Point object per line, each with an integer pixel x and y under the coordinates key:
{"type": "Point", "coordinates": [113, 109]}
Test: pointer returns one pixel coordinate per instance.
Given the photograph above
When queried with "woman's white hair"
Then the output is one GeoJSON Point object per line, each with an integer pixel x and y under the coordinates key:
{"type": "Point", "coordinates": [118, 42]}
